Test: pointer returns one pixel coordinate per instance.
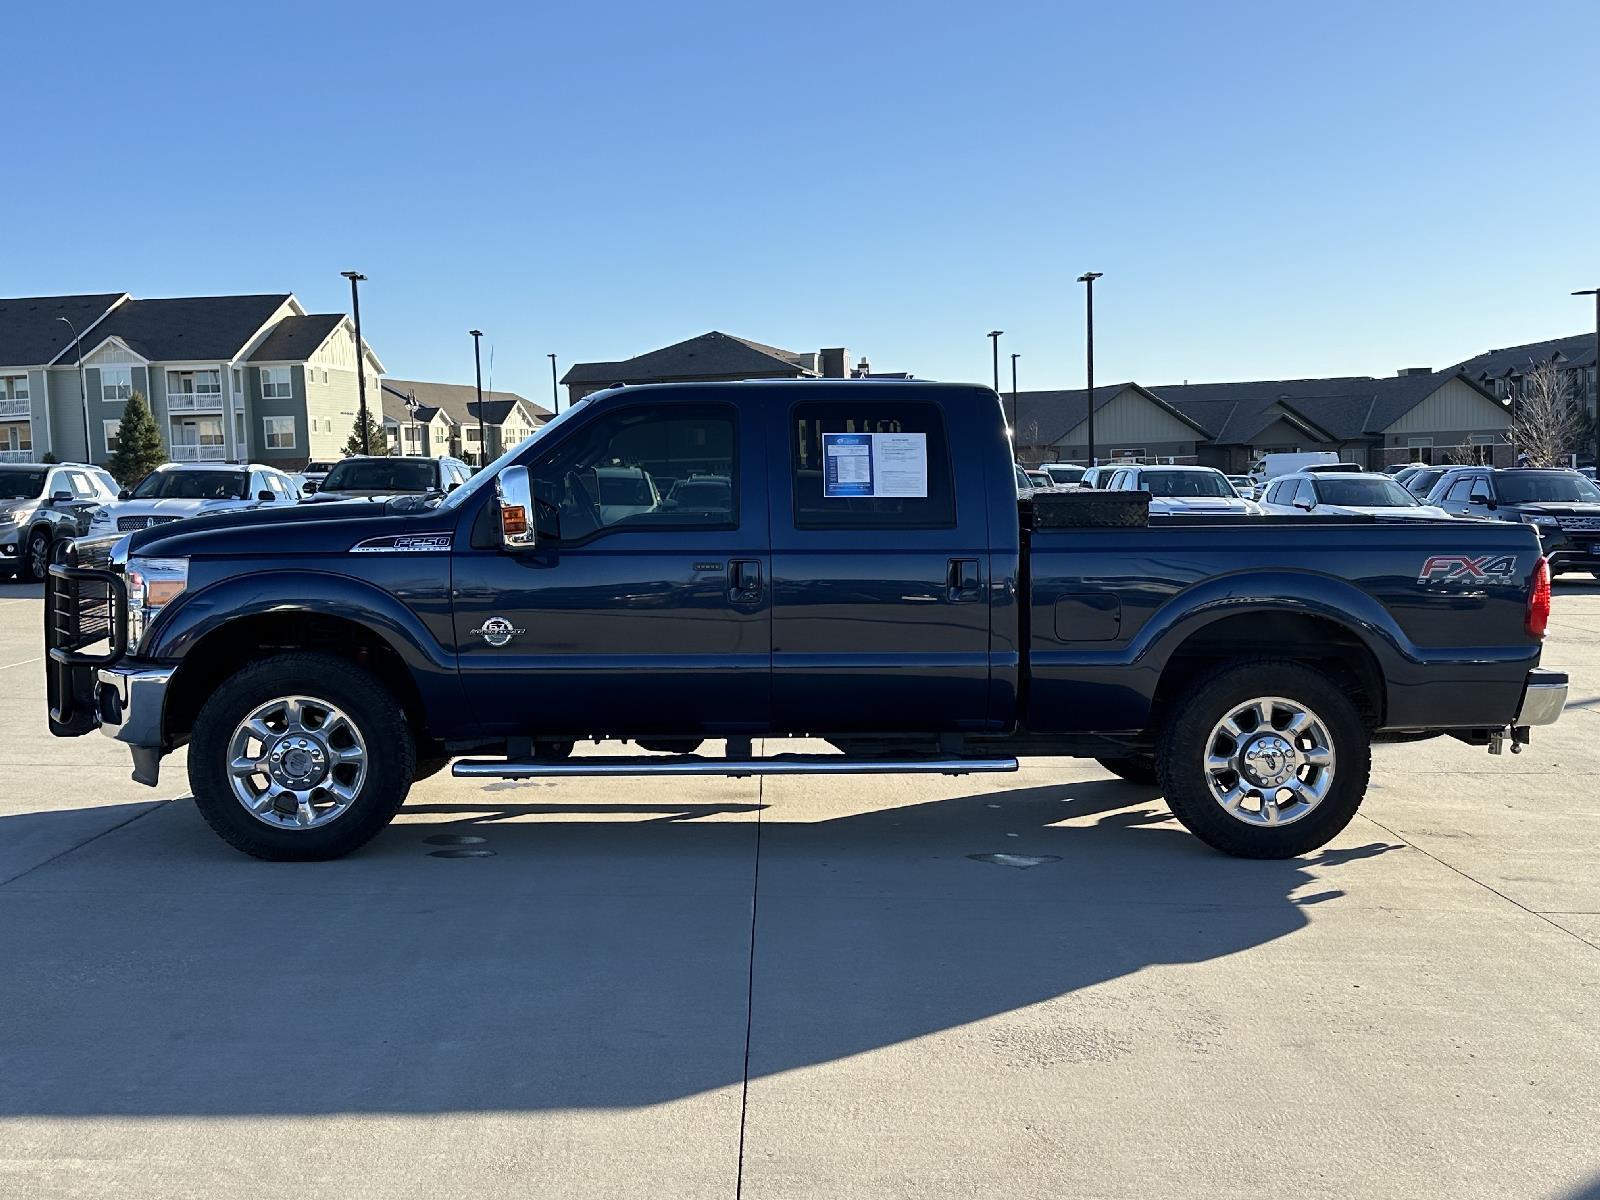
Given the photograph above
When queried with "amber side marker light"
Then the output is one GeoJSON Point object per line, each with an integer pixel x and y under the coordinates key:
{"type": "Point", "coordinates": [514, 519]}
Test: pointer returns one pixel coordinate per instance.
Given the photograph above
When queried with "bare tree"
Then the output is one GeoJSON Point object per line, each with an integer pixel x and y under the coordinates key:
{"type": "Point", "coordinates": [1548, 424]}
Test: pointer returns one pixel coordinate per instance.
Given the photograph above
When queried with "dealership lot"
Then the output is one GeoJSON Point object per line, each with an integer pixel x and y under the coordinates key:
{"type": "Point", "coordinates": [804, 987]}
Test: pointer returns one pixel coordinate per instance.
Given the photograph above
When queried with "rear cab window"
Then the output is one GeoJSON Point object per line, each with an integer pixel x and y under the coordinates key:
{"type": "Point", "coordinates": [870, 463]}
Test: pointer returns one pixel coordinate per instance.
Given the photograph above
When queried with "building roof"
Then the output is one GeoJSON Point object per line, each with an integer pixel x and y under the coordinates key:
{"type": "Point", "coordinates": [1340, 409]}
{"type": "Point", "coordinates": [459, 401]}
{"type": "Point", "coordinates": [713, 355]}
{"type": "Point", "coordinates": [294, 339]}
{"type": "Point", "coordinates": [32, 334]}
{"type": "Point", "coordinates": [188, 328]}
{"type": "Point", "coordinates": [1058, 413]}
{"type": "Point", "coordinates": [1576, 351]}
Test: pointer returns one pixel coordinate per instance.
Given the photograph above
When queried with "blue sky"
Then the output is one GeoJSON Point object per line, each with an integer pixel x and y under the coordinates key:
{"type": "Point", "coordinates": [1271, 189]}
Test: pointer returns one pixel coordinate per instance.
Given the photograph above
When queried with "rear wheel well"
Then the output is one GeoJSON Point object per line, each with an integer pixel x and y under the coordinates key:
{"type": "Point", "coordinates": [231, 647]}
{"type": "Point", "coordinates": [1317, 642]}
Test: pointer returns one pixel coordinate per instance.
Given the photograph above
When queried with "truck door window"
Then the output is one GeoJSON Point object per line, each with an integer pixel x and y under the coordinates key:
{"type": "Point", "coordinates": [652, 467]}
{"type": "Point", "coordinates": [813, 509]}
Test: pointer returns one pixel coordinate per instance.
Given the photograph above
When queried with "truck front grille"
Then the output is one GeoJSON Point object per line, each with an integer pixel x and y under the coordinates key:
{"type": "Point", "coordinates": [81, 609]}
{"type": "Point", "coordinates": [1580, 524]}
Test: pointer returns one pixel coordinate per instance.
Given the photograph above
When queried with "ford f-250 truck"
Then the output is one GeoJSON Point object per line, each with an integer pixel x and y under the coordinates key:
{"type": "Point", "coordinates": [841, 560]}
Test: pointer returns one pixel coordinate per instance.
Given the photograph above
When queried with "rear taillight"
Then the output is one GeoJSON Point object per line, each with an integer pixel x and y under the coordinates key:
{"type": "Point", "coordinates": [1539, 600]}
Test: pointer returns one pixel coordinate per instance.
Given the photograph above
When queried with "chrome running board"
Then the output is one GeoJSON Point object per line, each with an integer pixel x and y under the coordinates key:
{"type": "Point", "coordinates": [689, 764]}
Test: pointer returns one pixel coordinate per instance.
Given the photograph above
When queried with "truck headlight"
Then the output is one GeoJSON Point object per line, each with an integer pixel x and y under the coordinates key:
{"type": "Point", "coordinates": [153, 583]}
{"type": "Point", "coordinates": [1538, 519]}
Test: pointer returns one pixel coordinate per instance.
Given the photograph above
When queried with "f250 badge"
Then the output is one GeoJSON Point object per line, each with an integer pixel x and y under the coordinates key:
{"type": "Point", "coordinates": [1458, 568]}
{"type": "Point", "coordinates": [497, 631]}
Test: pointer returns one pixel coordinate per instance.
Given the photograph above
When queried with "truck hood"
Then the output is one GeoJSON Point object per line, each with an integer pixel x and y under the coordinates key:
{"type": "Point", "coordinates": [9, 508]}
{"type": "Point", "coordinates": [358, 494]}
{"type": "Point", "coordinates": [1558, 510]}
{"type": "Point", "coordinates": [293, 529]}
{"type": "Point", "coordinates": [1202, 504]}
{"type": "Point", "coordinates": [1421, 512]}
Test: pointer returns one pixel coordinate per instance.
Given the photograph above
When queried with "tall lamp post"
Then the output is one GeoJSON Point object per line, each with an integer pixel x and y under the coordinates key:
{"type": "Point", "coordinates": [83, 389]}
{"type": "Point", "coordinates": [1088, 278]}
{"type": "Point", "coordinates": [1595, 292]}
{"type": "Point", "coordinates": [1016, 414]}
{"type": "Point", "coordinates": [356, 277]}
{"type": "Point", "coordinates": [555, 390]}
{"type": "Point", "coordinates": [477, 362]}
{"type": "Point", "coordinates": [994, 344]}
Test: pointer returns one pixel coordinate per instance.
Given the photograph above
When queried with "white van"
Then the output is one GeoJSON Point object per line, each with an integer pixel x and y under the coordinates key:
{"type": "Point", "coordinates": [1270, 466]}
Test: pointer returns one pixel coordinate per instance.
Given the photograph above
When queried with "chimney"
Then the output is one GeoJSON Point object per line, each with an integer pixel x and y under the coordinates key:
{"type": "Point", "coordinates": [862, 368]}
{"type": "Point", "coordinates": [835, 363]}
{"type": "Point", "coordinates": [1404, 371]}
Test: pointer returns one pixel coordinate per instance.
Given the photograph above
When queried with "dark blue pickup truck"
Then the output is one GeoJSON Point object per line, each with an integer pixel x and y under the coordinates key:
{"type": "Point", "coordinates": [845, 561]}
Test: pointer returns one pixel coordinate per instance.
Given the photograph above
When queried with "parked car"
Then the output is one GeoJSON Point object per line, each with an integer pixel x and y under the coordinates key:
{"type": "Point", "coordinates": [1064, 474]}
{"type": "Point", "coordinates": [40, 504]}
{"type": "Point", "coordinates": [902, 613]}
{"type": "Point", "coordinates": [1270, 466]}
{"type": "Point", "coordinates": [314, 473]}
{"type": "Point", "coordinates": [1419, 482]}
{"type": "Point", "coordinates": [1346, 494]}
{"type": "Point", "coordinates": [1399, 469]}
{"type": "Point", "coordinates": [1182, 489]}
{"type": "Point", "coordinates": [1041, 479]}
{"type": "Point", "coordinates": [376, 475]}
{"type": "Point", "coordinates": [175, 491]}
{"type": "Point", "coordinates": [1244, 487]}
{"type": "Point", "coordinates": [1097, 478]}
{"type": "Point", "coordinates": [1563, 505]}
{"type": "Point", "coordinates": [1025, 485]}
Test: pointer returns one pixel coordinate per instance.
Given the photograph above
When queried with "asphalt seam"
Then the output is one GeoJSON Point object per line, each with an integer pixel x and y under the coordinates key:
{"type": "Point", "coordinates": [750, 991]}
{"type": "Point", "coordinates": [23, 663]}
{"type": "Point", "coordinates": [1532, 912]}
{"type": "Point", "coordinates": [155, 806]}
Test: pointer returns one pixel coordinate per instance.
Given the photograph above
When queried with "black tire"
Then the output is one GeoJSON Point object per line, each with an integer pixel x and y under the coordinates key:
{"type": "Point", "coordinates": [429, 767]}
{"type": "Point", "coordinates": [34, 561]}
{"type": "Point", "coordinates": [1135, 768]}
{"type": "Point", "coordinates": [1184, 746]}
{"type": "Point", "coordinates": [390, 763]}
{"type": "Point", "coordinates": [669, 745]}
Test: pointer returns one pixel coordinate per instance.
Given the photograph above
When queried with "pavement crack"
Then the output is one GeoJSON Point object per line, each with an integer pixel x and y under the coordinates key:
{"type": "Point", "coordinates": [154, 806]}
{"type": "Point", "coordinates": [750, 989]}
{"type": "Point", "coordinates": [1532, 912]}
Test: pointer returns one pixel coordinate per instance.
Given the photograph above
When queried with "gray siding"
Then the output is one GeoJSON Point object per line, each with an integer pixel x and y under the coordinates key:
{"type": "Point", "coordinates": [260, 407]}
{"type": "Point", "coordinates": [66, 417]}
{"type": "Point", "coordinates": [1455, 406]}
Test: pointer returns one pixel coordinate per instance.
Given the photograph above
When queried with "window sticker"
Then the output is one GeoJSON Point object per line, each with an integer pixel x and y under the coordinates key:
{"type": "Point", "coordinates": [875, 464]}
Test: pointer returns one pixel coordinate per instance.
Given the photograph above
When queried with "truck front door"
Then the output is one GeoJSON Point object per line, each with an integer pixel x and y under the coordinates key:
{"type": "Point", "coordinates": [881, 567]}
{"type": "Point", "coordinates": [644, 608]}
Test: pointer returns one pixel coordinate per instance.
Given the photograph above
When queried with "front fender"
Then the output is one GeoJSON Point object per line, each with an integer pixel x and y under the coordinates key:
{"type": "Point", "coordinates": [187, 622]}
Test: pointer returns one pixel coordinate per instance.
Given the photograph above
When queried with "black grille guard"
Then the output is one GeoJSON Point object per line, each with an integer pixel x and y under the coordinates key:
{"type": "Point", "coordinates": [84, 605]}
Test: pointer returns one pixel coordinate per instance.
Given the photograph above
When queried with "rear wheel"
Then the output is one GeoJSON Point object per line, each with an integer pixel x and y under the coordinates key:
{"type": "Point", "coordinates": [300, 757]}
{"type": "Point", "coordinates": [1135, 768]}
{"type": "Point", "coordinates": [1265, 759]}
{"type": "Point", "coordinates": [35, 563]}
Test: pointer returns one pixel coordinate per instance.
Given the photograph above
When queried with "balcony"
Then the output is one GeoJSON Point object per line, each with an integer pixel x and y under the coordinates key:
{"type": "Point", "coordinates": [14, 456]}
{"type": "Point", "coordinates": [194, 401]}
{"type": "Point", "coordinates": [191, 453]}
{"type": "Point", "coordinates": [13, 410]}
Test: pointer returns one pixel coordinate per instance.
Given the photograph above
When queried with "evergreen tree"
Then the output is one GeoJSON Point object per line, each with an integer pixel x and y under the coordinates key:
{"type": "Point", "coordinates": [378, 442]}
{"type": "Point", "coordinates": [139, 450]}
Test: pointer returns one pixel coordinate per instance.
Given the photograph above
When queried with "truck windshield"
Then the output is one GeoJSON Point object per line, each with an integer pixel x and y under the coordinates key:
{"type": "Point", "coordinates": [1185, 483]}
{"type": "Point", "coordinates": [1538, 488]}
{"type": "Point", "coordinates": [192, 485]}
{"type": "Point", "coordinates": [382, 475]}
{"type": "Point", "coordinates": [1364, 493]}
{"type": "Point", "coordinates": [485, 477]}
{"type": "Point", "coordinates": [21, 485]}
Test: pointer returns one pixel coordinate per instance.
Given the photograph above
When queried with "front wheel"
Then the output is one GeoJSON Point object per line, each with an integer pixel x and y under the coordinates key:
{"type": "Point", "coordinates": [300, 757]}
{"type": "Point", "coordinates": [1265, 759]}
{"type": "Point", "coordinates": [35, 564]}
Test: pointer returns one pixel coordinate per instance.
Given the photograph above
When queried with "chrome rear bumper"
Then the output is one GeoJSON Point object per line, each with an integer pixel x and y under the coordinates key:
{"type": "Point", "coordinates": [1543, 700]}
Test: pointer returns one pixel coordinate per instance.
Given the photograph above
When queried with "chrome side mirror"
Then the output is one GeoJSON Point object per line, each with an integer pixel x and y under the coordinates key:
{"type": "Point", "coordinates": [515, 491]}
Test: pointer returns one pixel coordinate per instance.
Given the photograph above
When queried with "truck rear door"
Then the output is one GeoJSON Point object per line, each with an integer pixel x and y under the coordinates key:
{"type": "Point", "coordinates": [880, 564]}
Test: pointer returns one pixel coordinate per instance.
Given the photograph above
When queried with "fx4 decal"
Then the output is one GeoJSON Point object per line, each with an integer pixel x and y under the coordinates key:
{"type": "Point", "coordinates": [1458, 568]}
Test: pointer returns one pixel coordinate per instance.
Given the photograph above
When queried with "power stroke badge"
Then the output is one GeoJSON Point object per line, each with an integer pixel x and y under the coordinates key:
{"type": "Point", "coordinates": [497, 631]}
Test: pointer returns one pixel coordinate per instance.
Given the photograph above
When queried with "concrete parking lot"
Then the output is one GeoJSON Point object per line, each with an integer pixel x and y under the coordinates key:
{"type": "Point", "coordinates": [804, 988]}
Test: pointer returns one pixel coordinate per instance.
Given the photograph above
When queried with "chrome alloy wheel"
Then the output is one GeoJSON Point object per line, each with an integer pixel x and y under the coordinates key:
{"type": "Point", "coordinates": [296, 762]}
{"type": "Point", "coordinates": [1270, 761]}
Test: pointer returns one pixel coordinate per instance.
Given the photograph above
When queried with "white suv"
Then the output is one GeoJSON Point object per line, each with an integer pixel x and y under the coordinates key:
{"type": "Point", "coordinates": [1182, 489]}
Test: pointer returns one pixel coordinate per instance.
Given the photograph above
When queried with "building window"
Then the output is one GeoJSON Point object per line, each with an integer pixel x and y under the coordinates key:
{"type": "Point", "coordinates": [194, 389]}
{"type": "Point", "coordinates": [14, 396]}
{"type": "Point", "coordinates": [116, 384]}
{"type": "Point", "coordinates": [112, 430]}
{"type": "Point", "coordinates": [275, 384]}
{"type": "Point", "coordinates": [278, 432]}
{"type": "Point", "coordinates": [16, 438]}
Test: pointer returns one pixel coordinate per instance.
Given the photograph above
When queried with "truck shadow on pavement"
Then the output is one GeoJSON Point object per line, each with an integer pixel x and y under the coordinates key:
{"type": "Point", "coordinates": [601, 957]}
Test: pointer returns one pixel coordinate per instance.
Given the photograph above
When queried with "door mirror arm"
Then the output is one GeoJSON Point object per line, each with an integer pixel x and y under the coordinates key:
{"type": "Point", "coordinates": [515, 492]}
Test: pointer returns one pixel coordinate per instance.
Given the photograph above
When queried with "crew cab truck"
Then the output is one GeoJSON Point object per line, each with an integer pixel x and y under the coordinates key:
{"type": "Point", "coordinates": [868, 577]}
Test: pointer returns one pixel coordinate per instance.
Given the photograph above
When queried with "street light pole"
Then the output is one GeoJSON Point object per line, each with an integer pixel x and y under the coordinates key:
{"type": "Point", "coordinates": [1015, 413]}
{"type": "Point", "coordinates": [1088, 278]}
{"type": "Point", "coordinates": [994, 344]}
{"type": "Point", "coordinates": [555, 390]}
{"type": "Point", "coordinates": [83, 390]}
{"type": "Point", "coordinates": [1595, 292]}
{"type": "Point", "coordinates": [477, 362]}
{"type": "Point", "coordinates": [356, 277]}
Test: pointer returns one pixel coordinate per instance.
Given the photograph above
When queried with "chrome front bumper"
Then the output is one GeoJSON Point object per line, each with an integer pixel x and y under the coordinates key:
{"type": "Point", "coordinates": [1543, 700]}
{"type": "Point", "coordinates": [129, 702]}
